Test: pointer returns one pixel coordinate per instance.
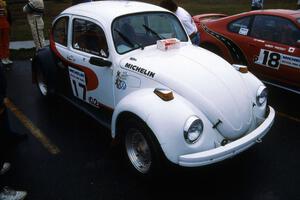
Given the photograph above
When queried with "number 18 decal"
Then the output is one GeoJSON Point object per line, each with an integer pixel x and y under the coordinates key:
{"type": "Point", "coordinates": [78, 83]}
{"type": "Point", "coordinates": [269, 59]}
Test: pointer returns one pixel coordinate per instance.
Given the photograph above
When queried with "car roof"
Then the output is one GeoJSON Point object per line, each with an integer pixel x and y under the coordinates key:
{"type": "Point", "coordinates": [109, 10]}
{"type": "Point", "coordinates": [279, 12]}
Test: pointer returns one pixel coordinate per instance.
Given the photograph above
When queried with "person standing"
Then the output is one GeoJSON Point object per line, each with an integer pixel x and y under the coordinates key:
{"type": "Point", "coordinates": [4, 34]}
{"type": "Point", "coordinates": [6, 193]}
{"type": "Point", "coordinates": [35, 10]}
{"type": "Point", "coordinates": [257, 4]}
{"type": "Point", "coordinates": [185, 18]}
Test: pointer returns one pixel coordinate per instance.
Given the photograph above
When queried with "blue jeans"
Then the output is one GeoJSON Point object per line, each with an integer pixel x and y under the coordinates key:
{"type": "Point", "coordinates": [196, 39]}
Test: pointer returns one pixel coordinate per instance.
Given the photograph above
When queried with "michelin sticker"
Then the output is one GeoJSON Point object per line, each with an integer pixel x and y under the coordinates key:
{"type": "Point", "coordinates": [274, 59]}
{"type": "Point", "coordinates": [140, 70]}
{"type": "Point", "coordinates": [78, 83]}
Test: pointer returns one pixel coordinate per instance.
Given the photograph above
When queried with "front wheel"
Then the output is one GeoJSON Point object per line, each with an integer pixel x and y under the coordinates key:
{"type": "Point", "coordinates": [141, 147]}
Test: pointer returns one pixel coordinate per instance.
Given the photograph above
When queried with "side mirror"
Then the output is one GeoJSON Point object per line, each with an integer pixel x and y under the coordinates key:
{"type": "Point", "coordinates": [100, 62]}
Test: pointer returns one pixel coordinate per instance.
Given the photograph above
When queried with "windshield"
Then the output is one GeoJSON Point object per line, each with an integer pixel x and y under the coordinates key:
{"type": "Point", "coordinates": [140, 30]}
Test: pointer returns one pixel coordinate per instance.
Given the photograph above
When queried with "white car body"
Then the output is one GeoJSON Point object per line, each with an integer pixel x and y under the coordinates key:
{"type": "Point", "coordinates": [203, 85]}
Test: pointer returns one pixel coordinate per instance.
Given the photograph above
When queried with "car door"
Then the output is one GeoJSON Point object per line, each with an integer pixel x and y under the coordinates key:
{"type": "Point", "coordinates": [275, 54]}
{"type": "Point", "coordinates": [85, 70]}
{"type": "Point", "coordinates": [236, 40]}
{"type": "Point", "coordinates": [91, 76]}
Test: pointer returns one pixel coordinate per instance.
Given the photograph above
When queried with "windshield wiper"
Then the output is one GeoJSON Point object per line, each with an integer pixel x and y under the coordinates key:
{"type": "Point", "coordinates": [153, 32]}
{"type": "Point", "coordinates": [128, 41]}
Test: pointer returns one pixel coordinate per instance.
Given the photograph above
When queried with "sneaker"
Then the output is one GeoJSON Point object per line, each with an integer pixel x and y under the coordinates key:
{"type": "Point", "coordinates": [4, 61]}
{"type": "Point", "coordinates": [9, 61]}
{"type": "Point", "coordinates": [9, 194]}
{"type": "Point", "coordinates": [5, 168]}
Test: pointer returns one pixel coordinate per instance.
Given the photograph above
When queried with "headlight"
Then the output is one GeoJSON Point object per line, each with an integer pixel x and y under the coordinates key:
{"type": "Point", "coordinates": [193, 129]}
{"type": "Point", "coordinates": [262, 95]}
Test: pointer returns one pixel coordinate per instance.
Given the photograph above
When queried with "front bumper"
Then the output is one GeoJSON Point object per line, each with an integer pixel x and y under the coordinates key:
{"type": "Point", "coordinates": [231, 149]}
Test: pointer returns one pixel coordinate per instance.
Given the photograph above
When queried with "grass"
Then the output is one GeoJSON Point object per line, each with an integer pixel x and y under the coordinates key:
{"type": "Point", "coordinates": [20, 29]}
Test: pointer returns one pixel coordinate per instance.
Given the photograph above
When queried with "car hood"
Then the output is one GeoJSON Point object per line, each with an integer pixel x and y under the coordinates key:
{"type": "Point", "coordinates": [204, 79]}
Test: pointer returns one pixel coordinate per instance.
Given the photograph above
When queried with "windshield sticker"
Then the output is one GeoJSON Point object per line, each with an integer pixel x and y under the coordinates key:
{"type": "Point", "coordinates": [274, 59]}
{"type": "Point", "coordinates": [243, 31]}
{"type": "Point", "coordinates": [140, 70]}
{"type": "Point", "coordinates": [120, 81]}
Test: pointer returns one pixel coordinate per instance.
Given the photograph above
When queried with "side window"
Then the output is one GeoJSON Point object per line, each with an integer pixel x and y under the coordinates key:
{"type": "Point", "coordinates": [89, 37]}
{"type": "Point", "coordinates": [240, 26]}
{"type": "Point", "coordinates": [60, 31]}
{"type": "Point", "coordinates": [275, 29]}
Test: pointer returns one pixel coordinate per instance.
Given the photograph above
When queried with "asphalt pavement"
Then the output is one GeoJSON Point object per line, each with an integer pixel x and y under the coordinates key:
{"type": "Point", "coordinates": [28, 44]}
{"type": "Point", "coordinates": [87, 167]}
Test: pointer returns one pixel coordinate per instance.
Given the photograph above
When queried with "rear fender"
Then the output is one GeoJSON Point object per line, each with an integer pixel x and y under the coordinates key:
{"type": "Point", "coordinates": [45, 60]}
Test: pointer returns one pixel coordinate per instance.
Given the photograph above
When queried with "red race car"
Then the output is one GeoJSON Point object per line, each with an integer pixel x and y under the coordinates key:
{"type": "Point", "coordinates": [267, 41]}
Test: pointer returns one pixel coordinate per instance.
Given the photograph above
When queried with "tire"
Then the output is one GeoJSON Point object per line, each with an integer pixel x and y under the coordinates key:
{"type": "Point", "coordinates": [141, 148]}
{"type": "Point", "coordinates": [42, 82]}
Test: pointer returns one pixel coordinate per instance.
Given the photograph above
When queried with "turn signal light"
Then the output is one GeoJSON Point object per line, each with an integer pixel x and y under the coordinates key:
{"type": "Point", "coordinates": [241, 68]}
{"type": "Point", "coordinates": [164, 94]}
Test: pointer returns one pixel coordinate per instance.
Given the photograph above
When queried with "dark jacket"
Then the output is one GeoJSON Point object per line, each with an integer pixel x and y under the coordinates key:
{"type": "Point", "coordinates": [2, 85]}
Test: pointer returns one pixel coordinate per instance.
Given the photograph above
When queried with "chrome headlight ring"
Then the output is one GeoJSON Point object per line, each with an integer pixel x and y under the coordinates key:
{"type": "Point", "coordinates": [261, 95]}
{"type": "Point", "coordinates": [193, 129]}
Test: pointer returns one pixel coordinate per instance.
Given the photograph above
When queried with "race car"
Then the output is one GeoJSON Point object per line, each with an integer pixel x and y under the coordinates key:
{"type": "Point", "coordinates": [132, 67]}
{"type": "Point", "coordinates": [267, 41]}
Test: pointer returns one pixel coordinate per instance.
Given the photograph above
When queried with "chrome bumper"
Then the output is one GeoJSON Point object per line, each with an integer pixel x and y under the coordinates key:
{"type": "Point", "coordinates": [231, 149]}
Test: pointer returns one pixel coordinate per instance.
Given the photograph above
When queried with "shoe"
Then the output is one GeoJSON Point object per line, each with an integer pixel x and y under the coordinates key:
{"type": "Point", "coordinates": [8, 61]}
{"type": "Point", "coordinates": [5, 168]}
{"type": "Point", "coordinates": [4, 61]}
{"type": "Point", "coordinates": [10, 194]}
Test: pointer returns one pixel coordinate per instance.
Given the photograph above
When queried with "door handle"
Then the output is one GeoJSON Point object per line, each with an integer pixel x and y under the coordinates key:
{"type": "Point", "coordinates": [70, 57]}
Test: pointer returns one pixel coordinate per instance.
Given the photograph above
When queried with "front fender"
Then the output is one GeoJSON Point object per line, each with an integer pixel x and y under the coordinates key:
{"type": "Point", "coordinates": [166, 119]}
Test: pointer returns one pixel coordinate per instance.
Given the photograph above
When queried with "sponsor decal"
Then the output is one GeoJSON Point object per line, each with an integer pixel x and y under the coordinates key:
{"type": "Point", "coordinates": [120, 80]}
{"type": "Point", "coordinates": [78, 83]}
{"type": "Point", "coordinates": [140, 70]}
{"type": "Point", "coordinates": [258, 40]}
{"type": "Point", "coordinates": [275, 47]}
{"type": "Point", "coordinates": [291, 50]}
{"type": "Point", "coordinates": [94, 102]}
{"type": "Point", "coordinates": [243, 31]}
{"type": "Point", "coordinates": [235, 52]}
{"type": "Point", "coordinates": [274, 59]}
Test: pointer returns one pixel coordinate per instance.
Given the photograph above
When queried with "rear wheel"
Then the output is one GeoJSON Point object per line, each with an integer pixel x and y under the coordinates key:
{"type": "Point", "coordinates": [41, 82]}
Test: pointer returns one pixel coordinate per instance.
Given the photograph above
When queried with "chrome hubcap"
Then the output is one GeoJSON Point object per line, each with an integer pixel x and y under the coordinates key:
{"type": "Point", "coordinates": [138, 150]}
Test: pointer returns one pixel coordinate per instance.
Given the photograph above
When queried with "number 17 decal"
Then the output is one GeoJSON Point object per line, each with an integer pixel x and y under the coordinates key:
{"type": "Point", "coordinates": [78, 83]}
{"type": "Point", "coordinates": [269, 59]}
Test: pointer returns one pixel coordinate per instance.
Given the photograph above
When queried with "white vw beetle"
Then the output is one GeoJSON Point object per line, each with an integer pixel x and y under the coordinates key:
{"type": "Point", "coordinates": [132, 67]}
